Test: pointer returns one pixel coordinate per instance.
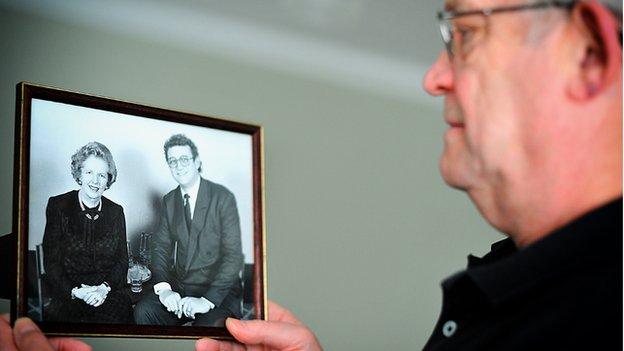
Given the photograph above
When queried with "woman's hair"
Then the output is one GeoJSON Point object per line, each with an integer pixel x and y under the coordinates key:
{"type": "Point", "coordinates": [93, 149]}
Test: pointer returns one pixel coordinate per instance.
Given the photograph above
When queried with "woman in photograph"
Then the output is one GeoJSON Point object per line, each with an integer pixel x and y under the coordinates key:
{"type": "Point", "coordinates": [84, 245]}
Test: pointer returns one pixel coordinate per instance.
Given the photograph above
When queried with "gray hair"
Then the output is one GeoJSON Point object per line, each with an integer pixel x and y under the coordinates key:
{"type": "Point", "coordinates": [537, 32]}
{"type": "Point", "coordinates": [93, 149]}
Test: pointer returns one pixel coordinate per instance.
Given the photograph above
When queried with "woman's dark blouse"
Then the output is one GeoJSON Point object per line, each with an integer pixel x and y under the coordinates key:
{"type": "Point", "coordinates": [79, 250]}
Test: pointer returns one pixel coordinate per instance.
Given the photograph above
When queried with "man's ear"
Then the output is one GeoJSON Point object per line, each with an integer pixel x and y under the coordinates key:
{"type": "Point", "coordinates": [197, 162]}
{"type": "Point", "coordinates": [601, 56]}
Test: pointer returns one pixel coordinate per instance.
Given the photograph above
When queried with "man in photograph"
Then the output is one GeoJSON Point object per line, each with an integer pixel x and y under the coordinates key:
{"type": "Point", "coordinates": [197, 256]}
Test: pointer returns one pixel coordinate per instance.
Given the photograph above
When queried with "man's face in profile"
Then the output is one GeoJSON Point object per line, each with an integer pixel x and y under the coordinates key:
{"type": "Point", "coordinates": [498, 88]}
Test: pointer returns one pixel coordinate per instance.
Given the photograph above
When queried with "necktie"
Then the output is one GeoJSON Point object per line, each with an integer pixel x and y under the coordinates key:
{"type": "Point", "coordinates": [187, 212]}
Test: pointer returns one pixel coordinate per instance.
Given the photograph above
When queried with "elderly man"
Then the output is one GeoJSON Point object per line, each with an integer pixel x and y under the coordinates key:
{"type": "Point", "coordinates": [533, 100]}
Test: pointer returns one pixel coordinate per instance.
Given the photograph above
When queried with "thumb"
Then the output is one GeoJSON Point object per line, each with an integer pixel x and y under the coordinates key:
{"type": "Point", "coordinates": [28, 337]}
{"type": "Point", "coordinates": [276, 335]}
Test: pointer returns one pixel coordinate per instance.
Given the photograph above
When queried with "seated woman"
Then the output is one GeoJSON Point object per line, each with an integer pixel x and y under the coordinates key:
{"type": "Point", "coordinates": [84, 245]}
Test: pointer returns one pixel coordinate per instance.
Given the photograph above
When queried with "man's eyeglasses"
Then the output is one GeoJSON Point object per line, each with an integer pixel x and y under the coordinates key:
{"type": "Point", "coordinates": [459, 39]}
{"type": "Point", "coordinates": [183, 161]}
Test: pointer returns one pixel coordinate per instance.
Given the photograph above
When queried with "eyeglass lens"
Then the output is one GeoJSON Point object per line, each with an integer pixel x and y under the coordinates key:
{"type": "Point", "coordinates": [184, 161]}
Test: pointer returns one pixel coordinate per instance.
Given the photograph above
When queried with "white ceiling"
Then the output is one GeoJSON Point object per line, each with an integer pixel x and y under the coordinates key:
{"type": "Point", "coordinates": [379, 46]}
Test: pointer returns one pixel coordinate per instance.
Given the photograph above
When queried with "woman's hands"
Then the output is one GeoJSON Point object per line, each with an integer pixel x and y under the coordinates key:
{"type": "Point", "coordinates": [93, 295]}
{"type": "Point", "coordinates": [81, 293]}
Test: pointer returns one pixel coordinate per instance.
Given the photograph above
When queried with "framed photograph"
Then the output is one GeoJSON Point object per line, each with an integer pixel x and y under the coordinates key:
{"type": "Point", "coordinates": [135, 221]}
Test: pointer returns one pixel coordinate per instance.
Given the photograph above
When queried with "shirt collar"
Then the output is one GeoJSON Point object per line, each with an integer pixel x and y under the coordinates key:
{"type": "Point", "coordinates": [193, 190]}
{"type": "Point", "coordinates": [595, 238]}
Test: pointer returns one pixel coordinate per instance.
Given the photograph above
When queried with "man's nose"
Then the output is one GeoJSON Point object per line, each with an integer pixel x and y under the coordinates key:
{"type": "Point", "coordinates": [439, 77]}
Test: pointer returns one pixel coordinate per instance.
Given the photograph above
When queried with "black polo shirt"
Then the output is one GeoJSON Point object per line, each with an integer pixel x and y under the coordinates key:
{"type": "Point", "coordinates": [563, 292]}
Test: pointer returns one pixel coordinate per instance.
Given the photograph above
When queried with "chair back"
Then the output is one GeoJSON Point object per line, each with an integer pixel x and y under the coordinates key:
{"type": "Point", "coordinates": [37, 284]}
{"type": "Point", "coordinates": [39, 257]}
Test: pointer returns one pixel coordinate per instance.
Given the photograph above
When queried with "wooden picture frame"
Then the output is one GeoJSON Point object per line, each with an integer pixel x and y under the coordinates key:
{"type": "Point", "coordinates": [51, 124]}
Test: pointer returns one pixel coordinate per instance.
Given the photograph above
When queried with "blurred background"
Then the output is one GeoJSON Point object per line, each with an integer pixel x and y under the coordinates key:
{"type": "Point", "coordinates": [360, 227]}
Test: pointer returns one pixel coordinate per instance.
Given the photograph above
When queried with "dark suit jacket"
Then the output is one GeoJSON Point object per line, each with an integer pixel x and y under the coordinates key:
{"type": "Point", "coordinates": [210, 260]}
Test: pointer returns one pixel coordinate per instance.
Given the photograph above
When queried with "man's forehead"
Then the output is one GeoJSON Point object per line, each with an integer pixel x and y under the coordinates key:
{"type": "Point", "coordinates": [179, 150]}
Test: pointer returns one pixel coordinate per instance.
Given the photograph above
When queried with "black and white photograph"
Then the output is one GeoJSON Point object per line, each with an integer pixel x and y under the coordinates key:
{"type": "Point", "coordinates": [137, 216]}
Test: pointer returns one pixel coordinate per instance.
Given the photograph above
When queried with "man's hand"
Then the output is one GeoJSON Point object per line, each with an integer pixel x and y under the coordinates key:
{"type": "Point", "coordinates": [171, 300]}
{"type": "Point", "coordinates": [282, 332]}
{"type": "Point", "coordinates": [28, 337]}
{"type": "Point", "coordinates": [192, 305]}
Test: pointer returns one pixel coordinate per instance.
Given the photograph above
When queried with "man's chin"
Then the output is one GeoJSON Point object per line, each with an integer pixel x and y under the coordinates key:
{"type": "Point", "coordinates": [455, 184]}
{"type": "Point", "coordinates": [185, 182]}
{"type": "Point", "coordinates": [180, 180]}
{"type": "Point", "coordinates": [452, 177]}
